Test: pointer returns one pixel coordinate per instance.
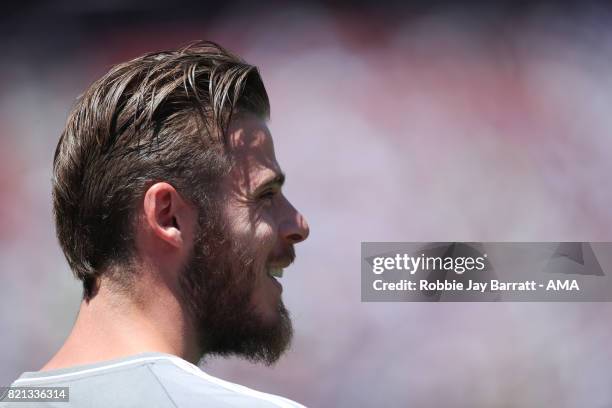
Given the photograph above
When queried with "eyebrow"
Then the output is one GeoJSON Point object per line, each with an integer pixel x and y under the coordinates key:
{"type": "Point", "coordinates": [277, 179]}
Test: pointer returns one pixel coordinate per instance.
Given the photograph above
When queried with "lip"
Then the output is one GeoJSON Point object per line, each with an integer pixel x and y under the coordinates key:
{"type": "Point", "coordinates": [281, 265]}
{"type": "Point", "coordinates": [276, 282]}
{"type": "Point", "coordinates": [278, 263]}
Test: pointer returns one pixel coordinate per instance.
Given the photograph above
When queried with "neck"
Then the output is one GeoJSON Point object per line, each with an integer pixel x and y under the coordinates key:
{"type": "Point", "coordinates": [111, 325]}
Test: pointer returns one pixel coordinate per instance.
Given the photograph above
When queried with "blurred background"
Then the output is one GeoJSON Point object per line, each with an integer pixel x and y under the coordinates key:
{"type": "Point", "coordinates": [396, 121]}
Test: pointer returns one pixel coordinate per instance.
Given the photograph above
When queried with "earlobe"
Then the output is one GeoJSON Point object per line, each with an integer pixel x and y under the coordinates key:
{"type": "Point", "coordinates": [163, 208]}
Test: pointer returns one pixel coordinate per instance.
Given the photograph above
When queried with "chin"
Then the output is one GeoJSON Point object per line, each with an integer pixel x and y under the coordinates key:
{"type": "Point", "coordinates": [271, 313]}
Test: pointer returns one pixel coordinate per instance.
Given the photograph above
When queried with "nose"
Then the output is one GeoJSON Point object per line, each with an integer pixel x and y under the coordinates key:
{"type": "Point", "coordinates": [294, 227]}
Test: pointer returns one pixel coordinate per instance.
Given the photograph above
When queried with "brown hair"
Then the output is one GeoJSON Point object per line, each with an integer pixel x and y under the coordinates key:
{"type": "Point", "coordinates": [161, 116]}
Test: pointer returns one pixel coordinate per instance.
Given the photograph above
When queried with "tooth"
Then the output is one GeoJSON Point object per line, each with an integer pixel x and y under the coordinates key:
{"type": "Point", "coordinates": [276, 272]}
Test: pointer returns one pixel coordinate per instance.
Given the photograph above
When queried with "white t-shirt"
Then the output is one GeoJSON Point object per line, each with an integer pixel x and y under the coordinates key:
{"type": "Point", "coordinates": [148, 380]}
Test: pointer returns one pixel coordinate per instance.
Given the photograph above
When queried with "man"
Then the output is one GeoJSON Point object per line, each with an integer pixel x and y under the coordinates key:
{"type": "Point", "coordinates": [168, 206]}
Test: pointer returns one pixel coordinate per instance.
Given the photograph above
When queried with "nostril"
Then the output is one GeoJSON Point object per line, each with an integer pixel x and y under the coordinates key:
{"type": "Point", "coordinates": [295, 238]}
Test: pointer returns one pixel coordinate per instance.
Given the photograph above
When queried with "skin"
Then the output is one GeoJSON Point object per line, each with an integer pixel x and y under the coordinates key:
{"type": "Point", "coordinates": [151, 317]}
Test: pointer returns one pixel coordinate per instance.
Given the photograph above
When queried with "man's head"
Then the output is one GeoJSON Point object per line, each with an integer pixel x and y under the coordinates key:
{"type": "Point", "coordinates": [166, 162]}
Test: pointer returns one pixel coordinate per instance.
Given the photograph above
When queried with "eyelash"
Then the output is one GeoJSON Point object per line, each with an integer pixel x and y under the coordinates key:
{"type": "Point", "coordinates": [268, 195]}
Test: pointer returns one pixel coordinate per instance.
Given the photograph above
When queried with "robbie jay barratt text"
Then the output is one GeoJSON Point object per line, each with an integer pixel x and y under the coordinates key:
{"type": "Point", "coordinates": [493, 285]}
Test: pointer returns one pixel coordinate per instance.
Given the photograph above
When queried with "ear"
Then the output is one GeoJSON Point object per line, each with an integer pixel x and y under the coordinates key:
{"type": "Point", "coordinates": [167, 214]}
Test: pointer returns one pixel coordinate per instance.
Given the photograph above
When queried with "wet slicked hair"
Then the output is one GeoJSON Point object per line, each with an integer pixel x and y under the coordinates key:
{"type": "Point", "coordinates": [159, 117]}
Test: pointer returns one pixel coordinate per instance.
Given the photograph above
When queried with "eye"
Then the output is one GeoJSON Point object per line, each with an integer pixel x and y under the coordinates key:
{"type": "Point", "coordinates": [267, 196]}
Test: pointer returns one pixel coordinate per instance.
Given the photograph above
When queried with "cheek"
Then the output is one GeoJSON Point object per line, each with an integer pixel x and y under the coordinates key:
{"type": "Point", "coordinates": [261, 245]}
{"type": "Point", "coordinates": [250, 222]}
{"type": "Point", "coordinates": [264, 232]}
{"type": "Point", "coordinates": [260, 231]}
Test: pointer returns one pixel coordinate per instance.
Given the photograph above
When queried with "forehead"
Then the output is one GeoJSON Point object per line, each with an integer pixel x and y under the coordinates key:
{"type": "Point", "coordinates": [252, 148]}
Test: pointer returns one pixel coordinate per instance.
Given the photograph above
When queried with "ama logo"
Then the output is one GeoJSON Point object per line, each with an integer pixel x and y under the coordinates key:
{"type": "Point", "coordinates": [562, 285]}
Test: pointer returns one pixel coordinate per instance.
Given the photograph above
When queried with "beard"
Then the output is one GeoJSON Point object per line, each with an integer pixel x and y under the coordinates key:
{"type": "Point", "coordinates": [216, 288]}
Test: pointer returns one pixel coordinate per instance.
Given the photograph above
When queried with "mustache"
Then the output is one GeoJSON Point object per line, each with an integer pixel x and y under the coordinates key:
{"type": "Point", "coordinates": [285, 259]}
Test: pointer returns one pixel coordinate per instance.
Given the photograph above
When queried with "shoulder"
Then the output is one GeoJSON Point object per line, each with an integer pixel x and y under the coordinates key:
{"type": "Point", "coordinates": [110, 384]}
{"type": "Point", "coordinates": [154, 380]}
{"type": "Point", "coordinates": [188, 386]}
